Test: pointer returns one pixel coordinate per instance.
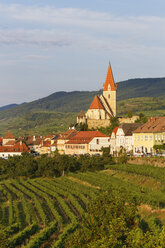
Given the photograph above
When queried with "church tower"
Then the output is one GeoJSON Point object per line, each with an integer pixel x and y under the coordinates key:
{"type": "Point", "coordinates": [109, 90]}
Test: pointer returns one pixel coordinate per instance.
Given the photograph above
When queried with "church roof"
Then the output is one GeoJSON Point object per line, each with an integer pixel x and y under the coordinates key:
{"type": "Point", "coordinates": [109, 80]}
{"type": "Point", "coordinates": [96, 104]}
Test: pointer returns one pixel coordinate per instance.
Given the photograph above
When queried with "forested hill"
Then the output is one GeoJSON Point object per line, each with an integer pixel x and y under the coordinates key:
{"type": "Point", "coordinates": [8, 106]}
{"type": "Point", "coordinates": [80, 100]}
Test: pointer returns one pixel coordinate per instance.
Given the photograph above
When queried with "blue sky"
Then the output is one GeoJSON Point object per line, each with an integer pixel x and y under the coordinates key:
{"type": "Point", "coordinates": [49, 46]}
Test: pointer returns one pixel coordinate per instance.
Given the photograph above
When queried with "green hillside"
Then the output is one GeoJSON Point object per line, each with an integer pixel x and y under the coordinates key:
{"type": "Point", "coordinates": [57, 111]}
{"type": "Point", "coordinates": [46, 122]}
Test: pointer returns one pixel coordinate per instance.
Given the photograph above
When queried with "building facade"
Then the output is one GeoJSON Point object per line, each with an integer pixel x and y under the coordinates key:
{"type": "Point", "coordinates": [122, 138]}
{"type": "Point", "coordinates": [87, 142]}
{"type": "Point", "coordinates": [103, 106]}
{"type": "Point", "coordinates": [149, 134]}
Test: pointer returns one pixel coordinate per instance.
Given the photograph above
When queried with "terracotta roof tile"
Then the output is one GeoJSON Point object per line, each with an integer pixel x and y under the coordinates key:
{"type": "Point", "coordinates": [19, 147]}
{"type": "Point", "coordinates": [9, 135]}
{"type": "Point", "coordinates": [68, 134]}
{"type": "Point", "coordinates": [96, 104]}
{"type": "Point", "coordinates": [84, 137]}
{"type": "Point", "coordinates": [154, 125]}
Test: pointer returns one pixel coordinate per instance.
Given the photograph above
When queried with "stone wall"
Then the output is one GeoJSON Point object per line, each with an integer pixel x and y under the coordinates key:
{"type": "Point", "coordinates": [127, 119]}
{"type": "Point", "coordinates": [97, 123]}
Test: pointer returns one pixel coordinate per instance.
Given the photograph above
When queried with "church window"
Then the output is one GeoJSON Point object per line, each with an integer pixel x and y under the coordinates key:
{"type": "Point", "coordinates": [109, 96]}
{"type": "Point", "coordinates": [109, 87]}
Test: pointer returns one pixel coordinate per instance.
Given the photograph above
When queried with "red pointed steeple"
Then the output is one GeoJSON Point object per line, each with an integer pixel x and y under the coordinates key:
{"type": "Point", "coordinates": [109, 81]}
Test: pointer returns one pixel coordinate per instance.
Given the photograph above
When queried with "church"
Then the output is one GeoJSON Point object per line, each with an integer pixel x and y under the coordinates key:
{"type": "Point", "coordinates": [103, 106]}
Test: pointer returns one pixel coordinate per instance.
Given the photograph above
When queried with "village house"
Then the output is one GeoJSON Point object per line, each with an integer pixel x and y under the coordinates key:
{"type": "Point", "coordinates": [8, 139]}
{"type": "Point", "coordinates": [122, 138]}
{"type": "Point", "coordinates": [63, 138]}
{"type": "Point", "coordinates": [113, 141]}
{"type": "Point", "coordinates": [11, 147]}
{"type": "Point", "coordinates": [34, 143]}
{"type": "Point", "coordinates": [87, 142]}
{"type": "Point", "coordinates": [149, 134]}
{"type": "Point", "coordinates": [45, 147]}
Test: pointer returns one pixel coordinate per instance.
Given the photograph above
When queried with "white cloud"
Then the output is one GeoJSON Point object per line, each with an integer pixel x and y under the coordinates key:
{"type": "Point", "coordinates": [61, 27]}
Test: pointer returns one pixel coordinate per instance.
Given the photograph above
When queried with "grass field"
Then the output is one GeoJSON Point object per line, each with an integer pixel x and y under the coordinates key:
{"type": "Point", "coordinates": [42, 212]}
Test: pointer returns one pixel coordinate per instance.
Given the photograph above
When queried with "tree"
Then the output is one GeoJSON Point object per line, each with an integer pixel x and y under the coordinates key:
{"type": "Point", "coordinates": [142, 118]}
{"type": "Point", "coordinates": [112, 221]}
{"type": "Point", "coordinates": [129, 114]}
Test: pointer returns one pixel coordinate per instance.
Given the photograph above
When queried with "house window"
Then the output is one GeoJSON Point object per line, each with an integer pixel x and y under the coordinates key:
{"type": "Point", "coordinates": [142, 138]}
{"type": "Point", "coordinates": [146, 137]}
{"type": "Point", "coordinates": [97, 141]}
{"type": "Point", "coordinates": [156, 137]}
{"type": "Point", "coordinates": [150, 137]}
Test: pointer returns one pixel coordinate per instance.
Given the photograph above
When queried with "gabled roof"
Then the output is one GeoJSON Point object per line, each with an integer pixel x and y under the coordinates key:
{"type": "Point", "coordinates": [31, 142]}
{"type": "Point", "coordinates": [9, 135]}
{"type": "Point", "coordinates": [96, 104]}
{"type": "Point", "coordinates": [128, 128]}
{"type": "Point", "coordinates": [19, 147]}
{"type": "Point", "coordinates": [154, 125]}
{"type": "Point", "coordinates": [81, 114]}
{"type": "Point", "coordinates": [115, 130]}
{"type": "Point", "coordinates": [109, 80]}
{"type": "Point", "coordinates": [84, 137]}
{"type": "Point", "coordinates": [68, 134]}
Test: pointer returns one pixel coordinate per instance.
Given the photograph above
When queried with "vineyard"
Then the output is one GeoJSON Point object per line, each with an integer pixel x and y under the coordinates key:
{"type": "Point", "coordinates": [42, 212]}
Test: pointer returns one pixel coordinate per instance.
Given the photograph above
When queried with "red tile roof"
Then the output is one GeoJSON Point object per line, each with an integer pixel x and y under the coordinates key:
{"type": "Point", "coordinates": [19, 147]}
{"type": "Point", "coordinates": [84, 137]}
{"type": "Point", "coordinates": [68, 134]}
{"type": "Point", "coordinates": [115, 130]}
{"type": "Point", "coordinates": [96, 104]}
{"type": "Point", "coordinates": [109, 81]}
{"type": "Point", "coordinates": [9, 135]}
{"type": "Point", "coordinates": [154, 125]}
{"type": "Point", "coordinates": [46, 143]}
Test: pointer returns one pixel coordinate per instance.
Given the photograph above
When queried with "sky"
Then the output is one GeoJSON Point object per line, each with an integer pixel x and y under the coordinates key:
{"type": "Point", "coordinates": [66, 45]}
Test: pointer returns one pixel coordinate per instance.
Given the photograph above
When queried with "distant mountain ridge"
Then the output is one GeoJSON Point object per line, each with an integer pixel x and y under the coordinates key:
{"type": "Point", "coordinates": [54, 113]}
{"type": "Point", "coordinates": [80, 100]}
